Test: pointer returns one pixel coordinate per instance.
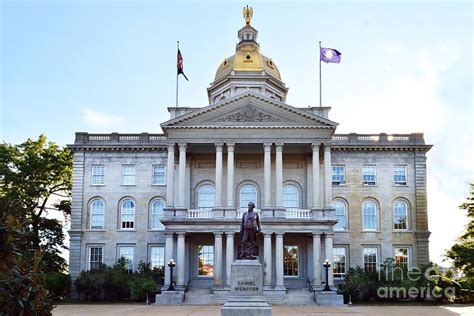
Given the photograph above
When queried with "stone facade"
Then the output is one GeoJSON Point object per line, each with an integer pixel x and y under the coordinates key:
{"type": "Point", "coordinates": [249, 145]}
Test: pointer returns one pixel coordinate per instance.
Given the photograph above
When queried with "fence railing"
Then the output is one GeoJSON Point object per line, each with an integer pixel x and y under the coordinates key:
{"type": "Point", "coordinates": [199, 213]}
{"type": "Point", "coordinates": [298, 213]}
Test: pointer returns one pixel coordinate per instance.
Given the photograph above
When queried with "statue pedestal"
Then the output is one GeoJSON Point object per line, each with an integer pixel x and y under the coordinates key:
{"type": "Point", "coordinates": [246, 291]}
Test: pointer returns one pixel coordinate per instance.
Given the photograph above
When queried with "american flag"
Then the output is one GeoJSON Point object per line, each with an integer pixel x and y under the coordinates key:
{"type": "Point", "coordinates": [180, 65]}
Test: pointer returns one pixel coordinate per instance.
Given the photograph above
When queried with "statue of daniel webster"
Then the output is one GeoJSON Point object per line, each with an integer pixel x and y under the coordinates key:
{"type": "Point", "coordinates": [249, 227]}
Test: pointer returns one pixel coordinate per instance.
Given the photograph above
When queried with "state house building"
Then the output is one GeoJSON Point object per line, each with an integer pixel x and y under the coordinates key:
{"type": "Point", "coordinates": [351, 198]}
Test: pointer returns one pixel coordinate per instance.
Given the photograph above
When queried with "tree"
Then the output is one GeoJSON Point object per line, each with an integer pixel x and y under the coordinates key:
{"type": "Point", "coordinates": [462, 252]}
{"type": "Point", "coordinates": [37, 177]}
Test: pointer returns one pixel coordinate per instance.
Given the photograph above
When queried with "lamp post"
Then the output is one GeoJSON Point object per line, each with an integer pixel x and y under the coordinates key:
{"type": "Point", "coordinates": [326, 265]}
{"type": "Point", "coordinates": [171, 264]}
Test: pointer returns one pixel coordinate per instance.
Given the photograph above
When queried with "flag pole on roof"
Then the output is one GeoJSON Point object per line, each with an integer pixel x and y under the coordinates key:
{"type": "Point", "coordinates": [180, 71]}
{"type": "Point", "coordinates": [328, 55]}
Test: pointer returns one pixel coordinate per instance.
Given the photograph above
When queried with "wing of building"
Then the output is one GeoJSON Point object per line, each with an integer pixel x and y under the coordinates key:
{"type": "Point", "coordinates": [351, 198]}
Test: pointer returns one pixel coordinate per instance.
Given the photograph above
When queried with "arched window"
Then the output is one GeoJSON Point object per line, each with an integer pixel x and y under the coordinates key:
{"type": "Point", "coordinates": [156, 214]}
{"type": "Point", "coordinates": [341, 214]}
{"type": "Point", "coordinates": [127, 214]}
{"type": "Point", "coordinates": [400, 215]}
{"type": "Point", "coordinates": [291, 196]}
{"type": "Point", "coordinates": [369, 212]}
{"type": "Point", "coordinates": [97, 214]}
{"type": "Point", "coordinates": [248, 193]}
{"type": "Point", "coordinates": [206, 197]}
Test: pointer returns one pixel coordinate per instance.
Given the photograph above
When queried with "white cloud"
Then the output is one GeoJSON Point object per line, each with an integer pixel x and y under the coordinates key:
{"type": "Point", "coordinates": [98, 119]}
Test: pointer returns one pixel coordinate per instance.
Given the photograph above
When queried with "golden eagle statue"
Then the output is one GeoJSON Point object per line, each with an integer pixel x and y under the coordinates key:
{"type": "Point", "coordinates": [248, 14]}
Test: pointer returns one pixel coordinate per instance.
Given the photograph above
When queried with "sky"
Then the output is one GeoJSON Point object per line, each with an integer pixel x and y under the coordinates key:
{"type": "Point", "coordinates": [110, 66]}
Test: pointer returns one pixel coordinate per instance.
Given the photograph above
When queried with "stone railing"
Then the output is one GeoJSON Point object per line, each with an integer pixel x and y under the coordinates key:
{"type": "Point", "coordinates": [378, 139]}
{"type": "Point", "coordinates": [297, 213]}
{"type": "Point", "coordinates": [199, 213]}
{"type": "Point", "coordinates": [116, 138]}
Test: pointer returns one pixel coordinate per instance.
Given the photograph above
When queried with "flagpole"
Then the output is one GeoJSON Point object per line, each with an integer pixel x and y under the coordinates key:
{"type": "Point", "coordinates": [320, 84]}
{"type": "Point", "coordinates": [177, 75]}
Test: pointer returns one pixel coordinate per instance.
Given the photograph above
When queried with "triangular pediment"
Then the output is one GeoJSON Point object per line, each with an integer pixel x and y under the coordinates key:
{"type": "Point", "coordinates": [250, 110]}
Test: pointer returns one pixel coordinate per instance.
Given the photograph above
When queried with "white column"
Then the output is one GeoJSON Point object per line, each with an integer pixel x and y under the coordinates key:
{"type": "Point", "coordinates": [218, 259]}
{"type": "Point", "coordinates": [279, 175]}
{"type": "Point", "coordinates": [328, 251]}
{"type": "Point", "coordinates": [230, 175]}
{"type": "Point", "coordinates": [182, 176]}
{"type": "Point", "coordinates": [218, 181]}
{"type": "Point", "coordinates": [267, 259]}
{"type": "Point", "coordinates": [327, 175]}
{"type": "Point", "coordinates": [316, 259]}
{"type": "Point", "coordinates": [170, 177]}
{"type": "Point", "coordinates": [267, 171]}
{"type": "Point", "coordinates": [168, 256]}
{"type": "Point", "coordinates": [279, 284]}
{"type": "Point", "coordinates": [315, 176]}
{"type": "Point", "coordinates": [229, 256]}
{"type": "Point", "coordinates": [180, 262]}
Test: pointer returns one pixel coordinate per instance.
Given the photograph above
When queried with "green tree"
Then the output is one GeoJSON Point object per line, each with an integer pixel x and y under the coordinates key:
{"type": "Point", "coordinates": [37, 177]}
{"type": "Point", "coordinates": [462, 252]}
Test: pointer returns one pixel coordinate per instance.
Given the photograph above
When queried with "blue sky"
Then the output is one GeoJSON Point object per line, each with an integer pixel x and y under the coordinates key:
{"type": "Point", "coordinates": [103, 66]}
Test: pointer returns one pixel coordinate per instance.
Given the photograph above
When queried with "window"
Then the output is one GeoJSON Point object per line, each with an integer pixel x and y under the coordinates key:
{"type": "Point", "coordinates": [157, 257]}
{"type": "Point", "coordinates": [369, 212]}
{"type": "Point", "coordinates": [205, 260]}
{"type": "Point", "coordinates": [95, 257]}
{"type": "Point", "coordinates": [338, 175]}
{"type": "Point", "coordinates": [400, 175]}
{"type": "Point", "coordinates": [97, 214]}
{"type": "Point", "coordinates": [159, 174]}
{"type": "Point", "coordinates": [402, 256]}
{"type": "Point", "coordinates": [290, 260]}
{"type": "Point", "coordinates": [156, 214]}
{"type": "Point", "coordinates": [291, 198]}
{"type": "Point", "coordinates": [128, 174]}
{"type": "Point", "coordinates": [370, 259]}
{"type": "Point", "coordinates": [98, 175]}
{"type": "Point", "coordinates": [127, 214]}
{"type": "Point", "coordinates": [368, 175]}
{"type": "Point", "coordinates": [206, 197]}
{"type": "Point", "coordinates": [340, 207]}
{"type": "Point", "coordinates": [248, 193]}
{"type": "Point", "coordinates": [400, 215]}
{"type": "Point", "coordinates": [127, 253]}
{"type": "Point", "coordinates": [339, 262]}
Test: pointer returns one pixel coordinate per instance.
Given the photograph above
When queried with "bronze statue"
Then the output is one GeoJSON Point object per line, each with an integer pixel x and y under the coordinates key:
{"type": "Point", "coordinates": [249, 227]}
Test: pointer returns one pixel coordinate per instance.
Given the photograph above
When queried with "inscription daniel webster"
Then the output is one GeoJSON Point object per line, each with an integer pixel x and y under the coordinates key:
{"type": "Point", "coordinates": [245, 286]}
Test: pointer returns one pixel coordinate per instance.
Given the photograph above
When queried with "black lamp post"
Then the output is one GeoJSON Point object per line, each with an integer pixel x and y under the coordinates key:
{"type": "Point", "coordinates": [326, 265]}
{"type": "Point", "coordinates": [171, 264]}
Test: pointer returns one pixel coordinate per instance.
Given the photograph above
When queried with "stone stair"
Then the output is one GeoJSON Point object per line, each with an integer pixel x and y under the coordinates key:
{"type": "Point", "coordinates": [298, 298]}
{"type": "Point", "coordinates": [207, 297]}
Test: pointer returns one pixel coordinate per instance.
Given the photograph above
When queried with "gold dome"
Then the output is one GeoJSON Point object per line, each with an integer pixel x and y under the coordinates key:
{"type": "Point", "coordinates": [247, 59]}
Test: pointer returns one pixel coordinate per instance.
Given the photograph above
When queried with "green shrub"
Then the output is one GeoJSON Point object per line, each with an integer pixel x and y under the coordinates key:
{"type": "Point", "coordinates": [90, 283]}
{"type": "Point", "coordinates": [58, 284]}
{"type": "Point", "coordinates": [141, 285]}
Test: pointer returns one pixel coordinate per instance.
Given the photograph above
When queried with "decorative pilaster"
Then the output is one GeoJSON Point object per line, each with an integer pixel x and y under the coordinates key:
{"type": "Point", "coordinates": [170, 177]}
{"type": "Point", "coordinates": [327, 176]}
{"type": "Point", "coordinates": [218, 181]}
{"type": "Point", "coordinates": [316, 260]}
{"type": "Point", "coordinates": [279, 284]}
{"type": "Point", "coordinates": [181, 259]}
{"type": "Point", "coordinates": [267, 170]}
{"type": "Point", "coordinates": [229, 256]}
{"type": "Point", "coordinates": [230, 175]}
{"type": "Point", "coordinates": [218, 259]}
{"type": "Point", "coordinates": [267, 260]}
{"type": "Point", "coordinates": [182, 176]}
{"type": "Point", "coordinates": [315, 175]}
{"type": "Point", "coordinates": [328, 250]}
{"type": "Point", "coordinates": [279, 175]}
{"type": "Point", "coordinates": [168, 256]}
